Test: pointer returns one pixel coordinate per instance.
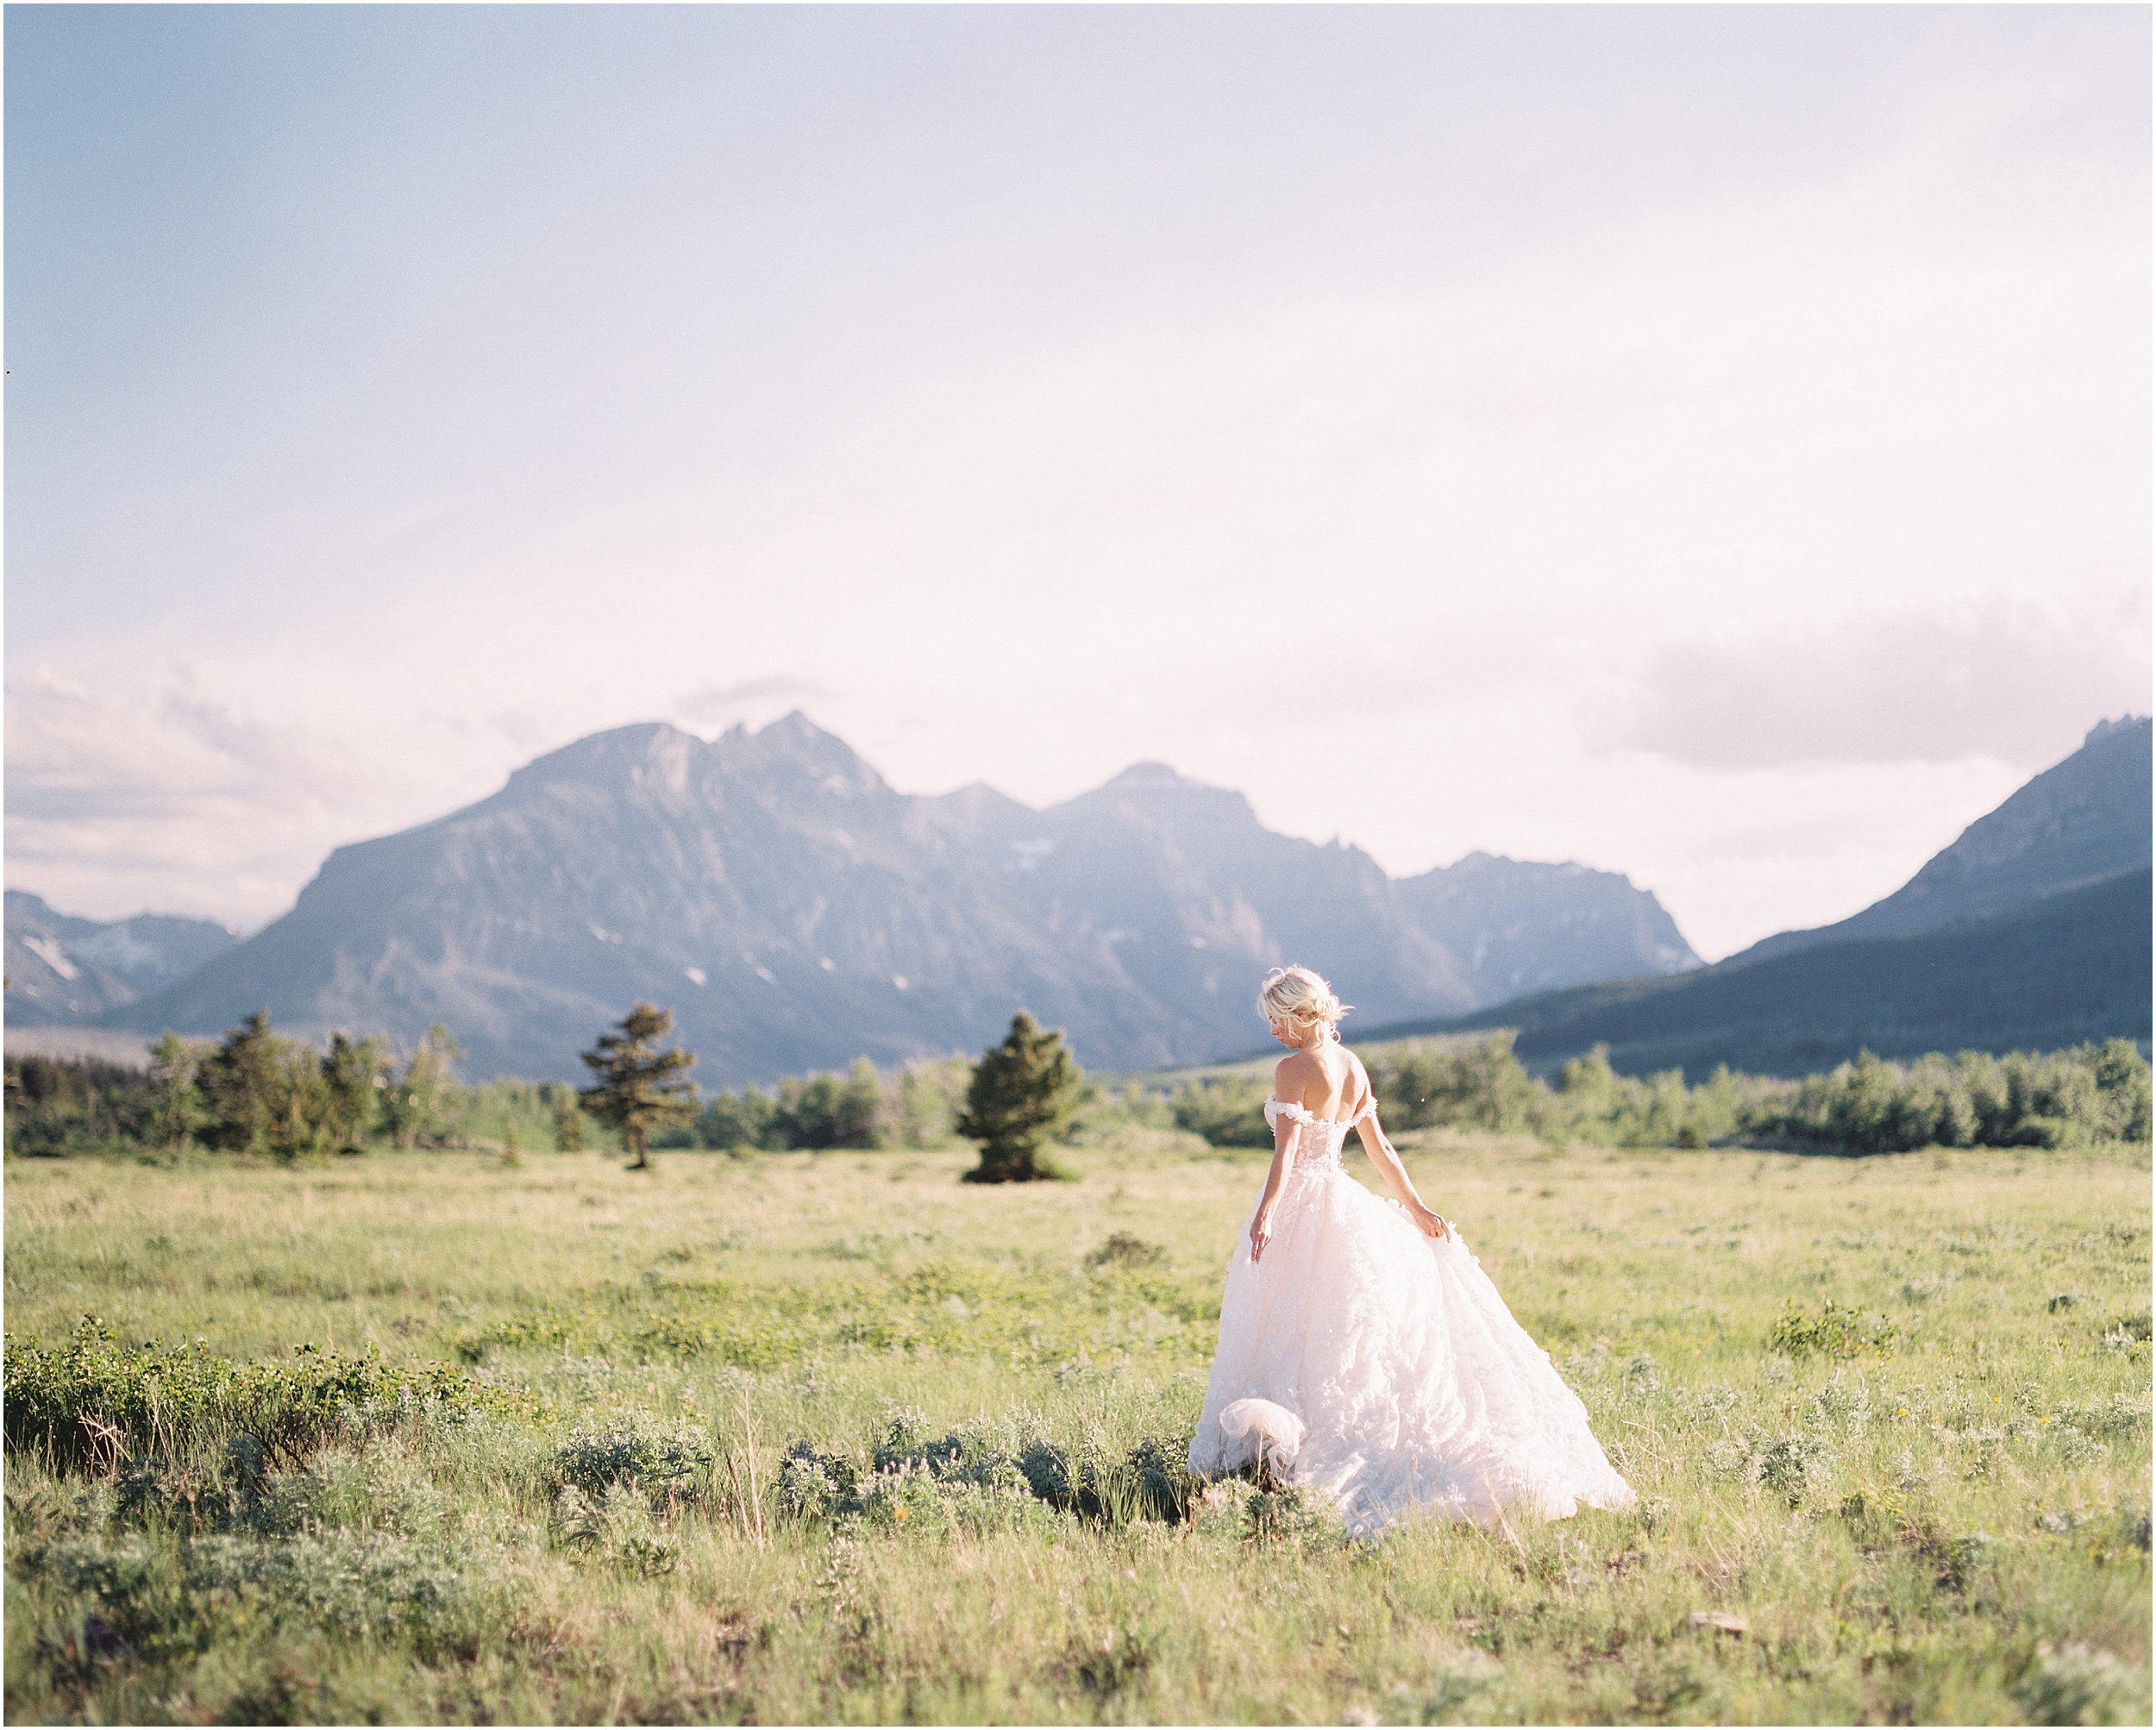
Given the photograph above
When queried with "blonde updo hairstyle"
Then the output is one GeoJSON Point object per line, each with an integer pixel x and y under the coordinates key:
{"type": "Point", "coordinates": [1297, 1000]}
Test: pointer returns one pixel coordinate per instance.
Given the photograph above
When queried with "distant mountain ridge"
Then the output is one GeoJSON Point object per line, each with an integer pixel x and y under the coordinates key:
{"type": "Point", "coordinates": [1520, 927]}
{"type": "Point", "coordinates": [62, 969]}
{"type": "Point", "coordinates": [2079, 822]}
{"type": "Point", "coordinates": [795, 912]}
{"type": "Point", "coordinates": [2031, 930]}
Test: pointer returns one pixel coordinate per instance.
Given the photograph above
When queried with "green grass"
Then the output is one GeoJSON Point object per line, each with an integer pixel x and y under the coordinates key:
{"type": "Point", "coordinates": [1888, 1418]}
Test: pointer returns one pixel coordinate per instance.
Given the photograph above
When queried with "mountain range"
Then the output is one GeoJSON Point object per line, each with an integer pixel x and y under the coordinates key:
{"type": "Point", "coordinates": [2031, 930]}
{"type": "Point", "coordinates": [61, 970]}
{"type": "Point", "coordinates": [795, 912]}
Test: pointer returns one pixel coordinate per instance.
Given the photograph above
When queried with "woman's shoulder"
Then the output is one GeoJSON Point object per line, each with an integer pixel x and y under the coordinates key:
{"type": "Point", "coordinates": [1292, 1071]}
{"type": "Point", "coordinates": [1360, 1087]}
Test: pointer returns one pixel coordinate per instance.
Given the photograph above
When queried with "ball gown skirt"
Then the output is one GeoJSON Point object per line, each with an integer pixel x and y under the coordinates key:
{"type": "Point", "coordinates": [1378, 1364]}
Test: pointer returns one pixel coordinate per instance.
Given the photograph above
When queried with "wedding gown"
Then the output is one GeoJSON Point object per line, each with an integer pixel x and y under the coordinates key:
{"type": "Point", "coordinates": [1379, 1364]}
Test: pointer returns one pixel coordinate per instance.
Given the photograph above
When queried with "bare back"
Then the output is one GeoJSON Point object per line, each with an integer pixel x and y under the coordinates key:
{"type": "Point", "coordinates": [1328, 1082]}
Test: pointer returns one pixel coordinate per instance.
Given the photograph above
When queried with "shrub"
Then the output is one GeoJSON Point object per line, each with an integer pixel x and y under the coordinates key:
{"type": "Point", "coordinates": [981, 1483]}
{"type": "Point", "coordinates": [1125, 1250]}
{"type": "Point", "coordinates": [832, 1111]}
{"type": "Point", "coordinates": [1835, 1332]}
{"type": "Point", "coordinates": [664, 1465]}
{"type": "Point", "coordinates": [1227, 1110]}
{"type": "Point", "coordinates": [1292, 1513]}
{"type": "Point", "coordinates": [730, 1120]}
{"type": "Point", "coordinates": [2062, 1099]}
{"type": "Point", "coordinates": [1477, 1086]}
{"type": "Point", "coordinates": [92, 1403]}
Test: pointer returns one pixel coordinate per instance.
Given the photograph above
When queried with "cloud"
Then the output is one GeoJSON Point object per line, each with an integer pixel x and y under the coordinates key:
{"type": "Point", "coordinates": [173, 800]}
{"type": "Point", "coordinates": [2011, 679]}
{"type": "Point", "coordinates": [1683, 541]}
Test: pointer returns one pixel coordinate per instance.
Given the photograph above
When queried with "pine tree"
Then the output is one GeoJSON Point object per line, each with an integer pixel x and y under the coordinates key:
{"type": "Point", "coordinates": [637, 1087]}
{"type": "Point", "coordinates": [1023, 1091]}
{"type": "Point", "coordinates": [241, 1082]}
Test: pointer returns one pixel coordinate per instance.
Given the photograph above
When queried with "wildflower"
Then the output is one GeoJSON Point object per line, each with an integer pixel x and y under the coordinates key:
{"type": "Point", "coordinates": [898, 1513]}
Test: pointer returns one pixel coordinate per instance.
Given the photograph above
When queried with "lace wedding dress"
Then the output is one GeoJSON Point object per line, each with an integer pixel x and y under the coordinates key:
{"type": "Point", "coordinates": [1380, 1365]}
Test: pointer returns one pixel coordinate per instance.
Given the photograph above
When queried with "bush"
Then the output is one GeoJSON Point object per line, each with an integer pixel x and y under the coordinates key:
{"type": "Point", "coordinates": [730, 1120]}
{"type": "Point", "coordinates": [1835, 1332]}
{"type": "Point", "coordinates": [1477, 1086]}
{"type": "Point", "coordinates": [93, 1404]}
{"type": "Point", "coordinates": [2062, 1099]}
{"type": "Point", "coordinates": [1227, 1110]}
{"type": "Point", "coordinates": [915, 1107]}
{"type": "Point", "coordinates": [665, 1466]}
{"type": "Point", "coordinates": [981, 1482]}
{"type": "Point", "coordinates": [832, 1111]}
{"type": "Point", "coordinates": [1126, 1250]}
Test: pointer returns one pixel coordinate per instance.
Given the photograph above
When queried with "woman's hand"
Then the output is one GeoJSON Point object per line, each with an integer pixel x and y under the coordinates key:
{"type": "Point", "coordinates": [1260, 1232]}
{"type": "Point", "coordinates": [1433, 1223]}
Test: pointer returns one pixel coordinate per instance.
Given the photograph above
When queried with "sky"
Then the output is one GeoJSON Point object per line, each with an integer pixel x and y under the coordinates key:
{"type": "Point", "coordinates": [1708, 443]}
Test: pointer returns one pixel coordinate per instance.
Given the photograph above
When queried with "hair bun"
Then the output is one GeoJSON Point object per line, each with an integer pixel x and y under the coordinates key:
{"type": "Point", "coordinates": [1296, 993]}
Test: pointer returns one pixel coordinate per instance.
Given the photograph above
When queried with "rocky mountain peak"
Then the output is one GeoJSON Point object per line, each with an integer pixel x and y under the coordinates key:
{"type": "Point", "coordinates": [1156, 792]}
{"type": "Point", "coordinates": [794, 911]}
{"type": "Point", "coordinates": [2105, 730]}
{"type": "Point", "coordinates": [793, 743]}
{"type": "Point", "coordinates": [620, 755]}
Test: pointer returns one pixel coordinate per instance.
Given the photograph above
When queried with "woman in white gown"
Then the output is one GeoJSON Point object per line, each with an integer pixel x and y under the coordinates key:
{"type": "Point", "coordinates": [1363, 1350]}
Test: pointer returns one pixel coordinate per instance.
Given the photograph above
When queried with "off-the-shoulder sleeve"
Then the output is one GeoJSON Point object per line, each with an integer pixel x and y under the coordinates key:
{"type": "Point", "coordinates": [1276, 1109]}
{"type": "Point", "coordinates": [1369, 1110]}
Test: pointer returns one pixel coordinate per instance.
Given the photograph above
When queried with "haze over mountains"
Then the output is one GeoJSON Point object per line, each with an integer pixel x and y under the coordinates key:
{"type": "Point", "coordinates": [796, 912]}
{"type": "Point", "coordinates": [62, 969]}
{"type": "Point", "coordinates": [2032, 930]}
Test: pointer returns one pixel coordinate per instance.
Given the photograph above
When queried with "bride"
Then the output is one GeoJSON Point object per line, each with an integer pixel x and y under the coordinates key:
{"type": "Point", "coordinates": [1363, 1350]}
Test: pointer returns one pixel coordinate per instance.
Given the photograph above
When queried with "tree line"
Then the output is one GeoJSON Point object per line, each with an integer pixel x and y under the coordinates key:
{"type": "Point", "coordinates": [2095, 1092]}
{"type": "Point", "coordinates": [1018, 1096]}
{"type": "Point", "coordinates": [256, 1091]}
{"type": "Point", "coordinates": [252, 1091]}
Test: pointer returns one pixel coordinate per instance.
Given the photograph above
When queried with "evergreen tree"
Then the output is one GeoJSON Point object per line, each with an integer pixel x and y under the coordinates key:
{"type": "Point", "coordinates": [1023, 1091]}
{"type": "Point", "coordinates": [355, 1075]}
{"type": "Point", "coordinates": [240, 1083]}
{"type": "Point", "coordinates": [175, 1111]}
{"type": "Point", "coordinates": [636, 1087]}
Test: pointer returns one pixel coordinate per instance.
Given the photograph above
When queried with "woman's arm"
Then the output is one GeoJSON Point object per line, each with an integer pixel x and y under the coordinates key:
{"type": "Point", "coordinates": [1386, 1157]}
{"type": "Point", "coordinates": [1285, 1129]}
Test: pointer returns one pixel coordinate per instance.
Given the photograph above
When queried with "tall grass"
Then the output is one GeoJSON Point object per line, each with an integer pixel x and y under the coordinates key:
{"type": "Point", "coordinates": [834, 1438]}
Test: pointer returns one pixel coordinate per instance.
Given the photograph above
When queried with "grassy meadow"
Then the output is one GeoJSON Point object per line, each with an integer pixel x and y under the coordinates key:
{"type": "Point", "coordinates": [835, 1438]}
